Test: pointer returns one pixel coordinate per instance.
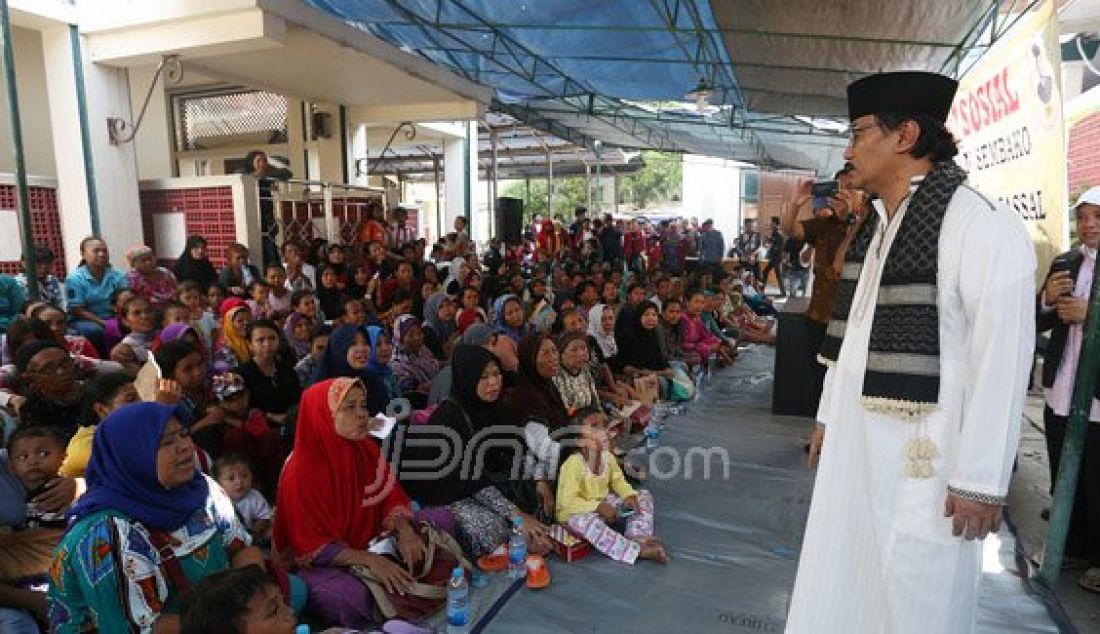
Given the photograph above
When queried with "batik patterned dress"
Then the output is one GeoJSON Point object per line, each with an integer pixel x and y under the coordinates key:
{"type": "Point", "coordinates": [107, 573]}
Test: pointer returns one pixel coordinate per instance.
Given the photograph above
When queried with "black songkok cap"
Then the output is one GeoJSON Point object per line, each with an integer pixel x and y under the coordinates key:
{"type": "Point", "coordinates": [908, 91]}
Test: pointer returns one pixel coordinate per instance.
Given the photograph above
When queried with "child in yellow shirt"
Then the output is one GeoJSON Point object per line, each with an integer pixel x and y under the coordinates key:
{"type": "Point", "coordinates": [594, 498]}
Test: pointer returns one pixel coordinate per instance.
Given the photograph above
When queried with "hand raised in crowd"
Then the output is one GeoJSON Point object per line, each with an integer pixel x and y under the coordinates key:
{"type": "Point", "coordinates": [970, 519]}
{"type": "Point", "coordinates": [59, 494]}
{"type": "Point", "coordinates": [1072, 310]}
{"type": "Point", "coordinates": [805, 193]}
{"type": "Point", "coordinates": [168, 392]}
{"type": "Point", "coordinates": [845, 203]}
{"type": "Point", "coordinates": [1058, 284]}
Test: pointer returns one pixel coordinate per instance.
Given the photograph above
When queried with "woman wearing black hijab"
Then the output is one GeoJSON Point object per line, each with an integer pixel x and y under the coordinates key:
{"type": "Point", "coordinates": [194, 264]}
{"type": "Point", "coordinates": [483, 516]}
{"type": "Point", "coordinates": [535, 396]}
{"type": "Point", "coordinates": [640, 348]}
{"type": "Point", "coordinates": [329, 296]}
{"type": "Point", "coordinates": [536, 407]}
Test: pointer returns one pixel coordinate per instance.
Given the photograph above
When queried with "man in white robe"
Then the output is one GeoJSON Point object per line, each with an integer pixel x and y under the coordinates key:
{"type": "Point", "coordinates": [889, 547]}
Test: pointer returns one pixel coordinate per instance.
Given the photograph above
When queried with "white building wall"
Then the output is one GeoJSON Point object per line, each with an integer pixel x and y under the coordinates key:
{"type": "Point", "coordinates": [456, 183]}
{"type": "Point", "coordinates": [61, 108]}
{"type": "Point", "coordinates": [712, 189]}
{"type": "Point", "coordinates": [116, 168]}
{"type": "Point", "coordinates": [30, 73]}
{"type": "Point", "coordinates": [153, 143]}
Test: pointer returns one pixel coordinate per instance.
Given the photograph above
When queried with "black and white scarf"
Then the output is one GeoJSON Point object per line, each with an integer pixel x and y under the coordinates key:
{"type": "Point", "coordinates": [903, 357]}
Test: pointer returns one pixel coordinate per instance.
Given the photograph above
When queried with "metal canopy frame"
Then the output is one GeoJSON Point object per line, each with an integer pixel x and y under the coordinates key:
{"type": "Point", "coordinates": [509, 147]}
{"type": "Point", "coordinates": [996, 29]}
{"type": "Point", "coordinates": [515, 58]}
{"type": "Point", "coordinates": [505, 52]}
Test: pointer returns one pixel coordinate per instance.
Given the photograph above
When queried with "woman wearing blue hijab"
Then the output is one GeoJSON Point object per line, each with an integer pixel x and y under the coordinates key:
{"type": "Point", "coordinates": [509, 318]}
{"type": "Point", "coordinates": [346, 354]}
{"type": "Point", "coordinates": [362, 352]}
{"type": "Point", "coordinates": [382, 384]}
{"type": "Point", "coordinates": [440, 327]}
{"type": "Point", "coordinates": [150, 527]}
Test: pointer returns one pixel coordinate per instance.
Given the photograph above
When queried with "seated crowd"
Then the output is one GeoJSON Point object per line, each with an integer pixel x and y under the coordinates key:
{"type": "Point", "coordinates": [188, 439]}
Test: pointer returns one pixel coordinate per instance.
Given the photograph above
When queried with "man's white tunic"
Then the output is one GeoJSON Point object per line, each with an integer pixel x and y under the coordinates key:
{"type": "Point", "coordinates": [878, 553]}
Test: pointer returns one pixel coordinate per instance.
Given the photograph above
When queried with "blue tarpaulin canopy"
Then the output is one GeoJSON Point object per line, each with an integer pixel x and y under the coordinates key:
{"type": "Point", "coordinates": [620, 70]}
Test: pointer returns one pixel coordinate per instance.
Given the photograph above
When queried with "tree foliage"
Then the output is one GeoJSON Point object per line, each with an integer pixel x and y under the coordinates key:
{"type": "Point", "coordinates": [568, 195]}
{"type": "Point", "coordinates": [659, 181]}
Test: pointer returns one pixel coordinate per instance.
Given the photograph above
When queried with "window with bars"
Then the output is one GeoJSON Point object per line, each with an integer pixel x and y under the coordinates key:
{"type": "Point", "coordinates": [225, 118]}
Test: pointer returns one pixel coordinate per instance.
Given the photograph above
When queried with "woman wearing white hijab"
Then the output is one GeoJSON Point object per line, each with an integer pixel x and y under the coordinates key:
{"type": "Point", "coordinates": [604, 355]}
{"type": "Point", "coordinates": [456, 278]}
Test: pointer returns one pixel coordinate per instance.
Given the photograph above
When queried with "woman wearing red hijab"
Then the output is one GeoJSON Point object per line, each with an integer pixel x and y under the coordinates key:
{"type": "Point", "coordinates": [549, 245]}
{"type": "Point", "coordinates": [336, 494]}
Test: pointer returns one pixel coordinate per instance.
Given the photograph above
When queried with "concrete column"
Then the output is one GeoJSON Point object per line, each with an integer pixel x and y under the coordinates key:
{"type": "Point", "coordinates": [615, 182]}
{"type": "Point", "coordinates": [330, 159]}
{"type": "Point", "coordinates": [357, 153]}
{"type": "Point", "coordinates": [108, 95]}
{"type": "Point", "coordinates": [480, 222]}
{"type": "Point", "coordinates": [296, 138]}
{"type": "Point", "coordinates": [588, 185]}
{"type": "Point", "coordinates": [460, 182]}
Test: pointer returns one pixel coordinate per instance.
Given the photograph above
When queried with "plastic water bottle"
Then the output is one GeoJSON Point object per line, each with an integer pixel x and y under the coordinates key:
{"type": "Point", "coordinates": [652, 437]}
{"type": "Point", "coordinates": [517, 550]}
{"type": "Point", "coordinates": [458, 603]}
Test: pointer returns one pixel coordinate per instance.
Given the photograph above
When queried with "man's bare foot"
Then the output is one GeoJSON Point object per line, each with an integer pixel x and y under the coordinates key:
{"type": "Point", "coordinates": [652, 548]}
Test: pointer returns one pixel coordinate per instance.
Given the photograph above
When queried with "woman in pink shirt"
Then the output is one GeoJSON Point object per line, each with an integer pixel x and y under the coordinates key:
{"type": "Point", "coordinates": [694, 335]}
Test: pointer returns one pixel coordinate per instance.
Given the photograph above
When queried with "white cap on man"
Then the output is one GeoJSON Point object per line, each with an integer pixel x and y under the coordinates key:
{"type": "Point", "coordinates": [1090, 197]}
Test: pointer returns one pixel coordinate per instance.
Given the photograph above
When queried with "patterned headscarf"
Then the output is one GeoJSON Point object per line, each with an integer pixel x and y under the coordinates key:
{"type": "Point", "coordinates": [501, 326]}
{"type": "Point", "coordinates": [236, 340]}
{"type": "Point", "coordinates": [301, 348]}
{"type": "Point", "coordinates": [606, 340]}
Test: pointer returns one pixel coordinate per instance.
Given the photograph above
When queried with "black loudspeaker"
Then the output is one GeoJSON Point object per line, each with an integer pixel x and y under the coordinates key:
{"type": "Point", "coordinates": [509, 220]}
